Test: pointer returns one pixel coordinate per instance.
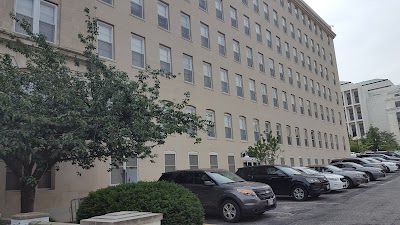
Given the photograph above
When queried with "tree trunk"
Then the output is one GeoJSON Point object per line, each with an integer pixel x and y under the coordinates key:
{"type": "Point", "coordinates": [28, 193]}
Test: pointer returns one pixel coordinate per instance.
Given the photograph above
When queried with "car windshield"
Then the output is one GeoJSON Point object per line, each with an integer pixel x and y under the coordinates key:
{"type": "Point", "coordinates": [379, 159]}
{"type": "Point", "coordinates": [372, 160]}
{"type": "Point", "coordinates": [288, 170]}
{"type": "Point", "coordinates": [225, 177]}
{"type": "Point", "coordinates": [334, 168]}
{"type": "Point", "coordinates": [354, 165]}
{"type": "Point", "coordinates": [308, 171]}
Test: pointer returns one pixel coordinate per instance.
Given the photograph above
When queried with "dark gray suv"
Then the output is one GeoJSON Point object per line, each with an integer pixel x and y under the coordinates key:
{"type": "Point", "coordinates": [224, 193]}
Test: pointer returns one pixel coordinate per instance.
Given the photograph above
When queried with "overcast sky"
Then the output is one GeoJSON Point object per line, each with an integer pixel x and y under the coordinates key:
{"type": "Point", "coordinates": [368, 37]}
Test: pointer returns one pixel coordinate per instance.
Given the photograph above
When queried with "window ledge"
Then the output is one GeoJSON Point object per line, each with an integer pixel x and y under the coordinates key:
{"type": "Point", "coordinates": [224, 93]}
{"type": "Point", "coordinates": [142, 19]}
{"type": "Point", "coordinates": [229, 139]}
{"type": "Point", "coordinates": [105, 3]}
{"type": "Point", "coordinates": [189, 40]}
{"type": "Point", "coordinates": [187, 82]}
{"type": "Point", "coordinates": [162, 28]}
{"type": "Point", "coordinates": [210, 89]}
{"type": "Point", "coordinates": [212, 138]}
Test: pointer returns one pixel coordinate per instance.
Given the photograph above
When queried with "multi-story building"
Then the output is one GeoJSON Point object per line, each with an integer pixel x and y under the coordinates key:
{"type": "Point", "coordinates": [250, 66]}
{"type": "Point", "coordinates": [372, 102]}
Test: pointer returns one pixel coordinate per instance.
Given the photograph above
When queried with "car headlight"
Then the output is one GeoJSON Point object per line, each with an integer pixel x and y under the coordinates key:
{"type": "Point", "coordinates": [248, 192]}
{"type": "Point", "coordinates": [359, 175]}
{"type": "Point", "coordinates": [334, 179]}
{"type": "Point", "coordinates": [312, 180]}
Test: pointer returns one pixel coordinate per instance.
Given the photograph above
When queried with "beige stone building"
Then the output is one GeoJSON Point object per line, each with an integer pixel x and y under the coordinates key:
{"type": "Point", "coordinates": [250, 66]}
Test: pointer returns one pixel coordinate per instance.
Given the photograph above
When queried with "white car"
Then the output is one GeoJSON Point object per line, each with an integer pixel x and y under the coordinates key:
{"type": "Point", "coordinates": [336, 182]}
{"type": "Point", "coordinates": [391, 166]}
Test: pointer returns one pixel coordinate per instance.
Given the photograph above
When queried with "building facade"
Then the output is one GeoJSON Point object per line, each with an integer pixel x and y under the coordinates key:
{"type": "Point", "coordinates": [250, 66]}
{"type": "Point", "coordinates": [373, 102]}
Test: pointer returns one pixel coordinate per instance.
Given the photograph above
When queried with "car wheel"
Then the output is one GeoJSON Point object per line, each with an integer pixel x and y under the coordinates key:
{"type": "Point", "coordinates": [370, 177]}
{"type": "Point", "coordinates": [230, 211]}
{"type": "Point", "coordinates": [299, 193]}
{"type": "Point", "coordinates": [348, 183]}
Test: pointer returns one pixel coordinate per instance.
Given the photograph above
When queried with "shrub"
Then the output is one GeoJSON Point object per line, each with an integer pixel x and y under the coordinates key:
{"type": "Point", "coordinates": [178, 205]}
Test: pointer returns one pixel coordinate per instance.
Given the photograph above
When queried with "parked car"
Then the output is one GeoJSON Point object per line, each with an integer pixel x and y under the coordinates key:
{"type": "Point", "coordinates": [372, 173]}
{"type": "Point", "coordinates": [390, 167]}
{"type": "Point", "coordinates": [385, 160]}
{"type": "Point", "coordinates": [223, 192]}
{"type": "Point", "coordinates": [388, 153]}
{"type": "Point", "coordinates": [352, 178]}
{"type": "Point", "coordinates": [336, 182]}
{"type": "Point", "coordinates": [285, 180]}
{"type": "Point", "coordinates": [380, 155]}
{"type": "Point", "coordinates": [362, 162]}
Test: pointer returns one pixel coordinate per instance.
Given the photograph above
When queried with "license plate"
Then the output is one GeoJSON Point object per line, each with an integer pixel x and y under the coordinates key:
{"type": "Point", "coordinates": [270, 201]}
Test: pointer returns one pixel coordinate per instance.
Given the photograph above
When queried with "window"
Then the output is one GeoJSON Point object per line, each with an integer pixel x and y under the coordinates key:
{"type": "Point", "coordinates": [169, 162]}
{"type": "Point", "coordinates": [203, 4]}
{"type": "Point", "coordinates": [218, 9]}
{"type": "Point", "coordinates": [165, 59]}
{"type": "Point", "coordinates": [296, 60]}
{"type": "Point", "coordinates": [228, 126]}
{"type": "Point", "coordinates": [319, 89]}
{"type": "Point", "coordinates": [305, 137]}
{"type": "Point", "coordinates": [315, 67]}
{"type": "Point", "coordinates": [297, 133]}
{"type": "Point", "coordinates": [331, 59]}
{"type": "Point", "coordinates": [318, 51]}
{"type": "Point", "coordinates": [356, 97]}
{"type": "Point", "coordinates": [284, 25]}
{"type": "Point", "coordinates": [301, 161]}
{"type": "Point", "coordinates": [309, 23]}
{"type": "Point", "coordinates": [137, 8]}
{"type": "Point", "coordinates": [231, 163]}
{"type": "Point", "coordinates": [398, 119]}
{"type": "Point", "coordinates": [312, 45]}
{"type": "Point", "coordinates": [303, 18]}
{"type": "Point", "coordinates": [210, 116]}
{"type": "Point", "coordinates": [245, 2]}
{"type": "Point", "coordinates": [214, 161]}
{"type": "Point", "coordinates": [110, 2]}
{"type": "Point", "coordinates": [337, 142]}
{"type": "Point", "coordinates": [306, 40]}
{"type": "Point", "coordinates": [397, 104]}
{"type": "Point", "coordinates": [331, 139]}
{"type": "Point", "coordinates": [268, 127]}
{"type": "Point", "coordinates": [327, 115]}
{"type": "Point", "coordinates": [163, 14]}
{"type": "Point", "coordinates": [266, 11]}
{"type": "Point", "coordinates": [344, 141]}
{"type": "Point", "coordinates": [301, 102]}
{"type": "Point", "coordinates": [305, 81]}
{"type": "Point", "coordinates": [252, 87]}
{"type": "Point", "coordinates": [299, 36]}
{"type": "Point", "coordinates": [246, 24]}
{"type": "Point", "coordinates": [279, 133]}
{"type": "Point", "coordinates": [353, 130]}
{"type": "Point", "coordinates": [275, 15]}
{"type": "Point", "coordinates": [275, 97]}
{"type": "Point", "coordinates": [261, 62]}
{"type": "Point", "coordinates": [264, 95]}
{"type": "Point", "coordinates": [258, 32]}
{"type": "Point", "coordinates": [323, 53]}
{"type": "Point", "coordinates": [269, 39]}
{"type": "Point", "coordinates": [289, 5]}
{"type": "Point", "coordinates": [224, 81]}
{"type": "Point", "coordinates": [292, 30]}
{"type": "Point", "coordinates": [243, 128]}
{"type": "Point", "coordinates": [287, 50]}
{"type": "Point", "coordinates": [278, 45]}
{"type": "Point", "coordinates": [42, 17]}
{"type": "Point", "coordinates": [340, 118]}
{"type": "Point", "coordinates": [281, 73]}
{"type": "Point", "coordinates": [233, 13]}
{"type": "Point", "coordinates": [329, 94]}
{"type": "Point", "coordinates": [312, 86]}
{"type": "Point", "coordinates": [284, 100]}
{"type": "Point", "coordinates": [138, 52]}
{"type": "Point", "coordinates": [221, 44]}
{"type": "Point", "coordinates": [309, 108]}
{"type": "Point", "coordinates": [320, 70]}
{"type": "Point", "coordinates": [255, 6]}
{"type": "Point", "coordinates": [256, 129]}
{"type": "Point", "coordinates": [188, 68]}
{"type": "Point", "coordinates": [236, 51]}
{"type": "Point", "coordinates": [319, 140]}
{"type": "Point", "coordinates": [290, 76]}
{"type": "Point", "coordinates": [105, 40]}
{"type": "Point", "coordinates": [316, 110]}
{"type": "Point", "coordinates": [296, 12]}
{"type": "Point", "coordinates": [348, 97]}
{"type": "Point", "coordinates": [293, 101]}
{"type": "Point", "coordinates": [298, 80]}
{"type": "Point", "coordinates": [191, 110]}
{"type": "Point", "coordinates": [302, 59]}
{"type": "Point", "coordinates": [207, 73]}
{"type": "Point", "coordinates": [313, 139]}
{"type": "Point", "coordinates": [193, 161]}
{"type": "Point", "coordinates": [205, 39]}
{"type": "Point", "coordinates": [326, 140]}
{"type": "Point", "coordinates": [289, 135]}
{"type": "Point", "coordinates": [358, 111]}
{"type": "Point", "coordinates": [321, 109]}
{"type": "Point", "coordinates": [334, 78]}
{"type": "Point", "coordinates": [309, 63]}
{"type": "Point", "coordinates": [185, 26]}
{"type": "Point", "coordinates": [239, 85]}
{"type": "Point", "coordinates": [129, 175]}
{"type": "Point", "coordinates": [249, 55]}
{"type": "Point", "coordinates": [351, 113]}
{"type": "Point", "coordinates": [271, 67]}
{"type": "Point", "coordinates": [316, 161]}
{"type": "Point", "coordinates": [282, 161]}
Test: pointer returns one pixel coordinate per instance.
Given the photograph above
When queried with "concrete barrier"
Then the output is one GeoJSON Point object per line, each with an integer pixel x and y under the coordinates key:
{"type": "Point", "coordinates": [27, 218]}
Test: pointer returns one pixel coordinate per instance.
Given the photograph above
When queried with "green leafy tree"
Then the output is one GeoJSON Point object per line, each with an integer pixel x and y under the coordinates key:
{"type": "Point", "coordinates": [374, 140]}
{"type": "Point", "coordinates": [50, 114]}
{"type": "Point", "coordinates": [266, 150]}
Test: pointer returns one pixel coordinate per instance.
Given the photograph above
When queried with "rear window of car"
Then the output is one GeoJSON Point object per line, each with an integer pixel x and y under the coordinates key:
{"type": "Point", "coordinates": [166, 177]}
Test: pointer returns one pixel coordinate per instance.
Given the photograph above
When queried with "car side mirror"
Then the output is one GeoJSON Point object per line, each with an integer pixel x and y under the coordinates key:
{"type": "Point", "coordinates": [209, 183]}
{"type": "Point", "coordinates": [329, 171]}
{"type": "Point", "coordinates": [353, 167]}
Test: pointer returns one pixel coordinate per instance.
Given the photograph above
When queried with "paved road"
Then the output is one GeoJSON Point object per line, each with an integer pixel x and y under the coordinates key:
{"type": "Point", "coordinates": [376, 203]}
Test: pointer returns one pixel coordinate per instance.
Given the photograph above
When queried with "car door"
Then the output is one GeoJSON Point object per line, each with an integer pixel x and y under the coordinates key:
{"type": "Point", "coordinates": [208, 195]}
{"type": "Point", "coordinates": [259, 174]}
{"type": "Point", "coordinates": [278, 180]}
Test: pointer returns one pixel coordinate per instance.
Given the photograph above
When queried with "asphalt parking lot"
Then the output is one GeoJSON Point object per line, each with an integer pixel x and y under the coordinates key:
{"type": "Point", "coordinates": [375, 203]}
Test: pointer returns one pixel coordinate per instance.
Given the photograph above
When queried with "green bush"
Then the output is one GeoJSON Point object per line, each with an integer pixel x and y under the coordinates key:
{"type": "Point", "coordinates": [178, 205]}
